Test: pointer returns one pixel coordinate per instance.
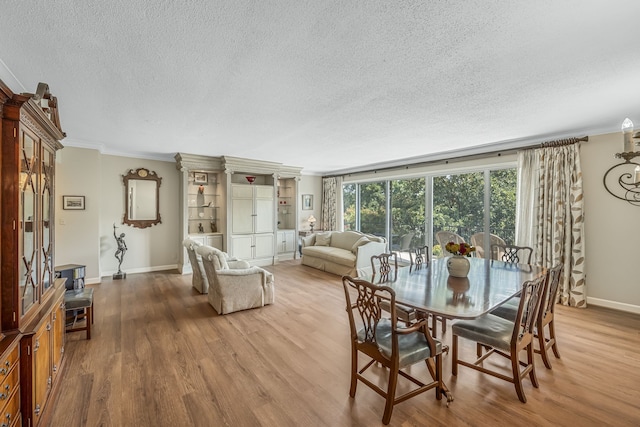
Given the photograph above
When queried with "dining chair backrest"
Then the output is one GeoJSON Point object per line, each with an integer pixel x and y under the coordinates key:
{"type": "Point", "coordinates": [513, 254]}
{"type": "Point", "coordinates": [531, 297]}
{"type": "Point", "coordinates": [419, 255]}
{"type": "Point", "coordinates": [553, 283]}
{"type": "Point", "coordinates": [365, 311]}
{"type": "Point", "coordinates": [444, 237]}
{"type": "Point", "coordinates": [477, 240]}
{"type": "Point", "coordinates": [383, 265]}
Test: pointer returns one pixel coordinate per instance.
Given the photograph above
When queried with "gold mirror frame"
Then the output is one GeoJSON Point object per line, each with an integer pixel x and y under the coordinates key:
{"type": "Point", "coordinates": [141, 174]}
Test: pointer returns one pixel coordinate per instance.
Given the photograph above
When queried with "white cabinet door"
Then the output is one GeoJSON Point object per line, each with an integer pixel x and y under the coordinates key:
{"type": "Point", "coordinates": [286, 241]}
{"type": "Point", "coordinates": [242, 216]}
{"type": "Point", "coordinates": [215, 241]}
{"type": "Point", "coordinates": [253, 209]}
{"type": "Point", "coordinates": [242, 247]}
{"type": "Point", "coordinates": [264, 215]}
{"type": "Point", "coordinates": [289, 241]}
{"type": "Point", "coordinates": [263, 245]}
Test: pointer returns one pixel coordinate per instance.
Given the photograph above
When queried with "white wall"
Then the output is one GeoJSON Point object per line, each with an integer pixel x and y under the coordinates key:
{"type": "Point", "coordinates": [310, 184]}
{"type": "Point", "coordinates": [612, 231]}
{"type": "Point", "coordinates": [77, 231]}
{"type": "Point", "coordinates": [86, 237]}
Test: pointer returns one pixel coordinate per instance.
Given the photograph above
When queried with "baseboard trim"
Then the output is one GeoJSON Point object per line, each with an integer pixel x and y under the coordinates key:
{"type": "Point", "coordinates": [143, 270]}
{"type": "Point", "coordinates": [614, 305]}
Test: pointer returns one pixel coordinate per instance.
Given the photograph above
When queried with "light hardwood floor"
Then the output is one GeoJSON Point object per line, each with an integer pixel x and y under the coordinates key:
{"type": "Point", "coordinates": [161, 356]}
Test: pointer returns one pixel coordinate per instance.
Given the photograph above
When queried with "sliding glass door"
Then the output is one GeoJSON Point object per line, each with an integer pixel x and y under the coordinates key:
{"type": "Point", "coordinates": [407, 227]}
{"type": "Point", "coordinates": [478, 207]}
{"type": "Point", "coordinates": [373, 208]}
{"type": "Point", "coordinates": [458, 207]}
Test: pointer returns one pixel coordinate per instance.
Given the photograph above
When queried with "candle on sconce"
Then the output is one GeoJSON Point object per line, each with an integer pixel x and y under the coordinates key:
{"type": "Point", "coordinates": [627, 131]}
{"type": "Point", "coordinates": [637, 175]}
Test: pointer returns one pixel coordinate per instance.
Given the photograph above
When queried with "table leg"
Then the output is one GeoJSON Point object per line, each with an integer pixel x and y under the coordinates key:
{"type": "Point", "coordinates": [445, 389]}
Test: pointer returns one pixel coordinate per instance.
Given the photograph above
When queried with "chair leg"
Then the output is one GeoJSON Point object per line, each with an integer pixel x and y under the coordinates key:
{"type": "Point", "coordinates": [454, 357]}
{"type": "Point", "coordinates": [354, 370]}
{"type": "Point", "coordinates": [391, 395]}
{"type": "Point", "coordinates": [89, 321]}
{"type": "Point", "coordinates": [439, 377]}
{"type": "Point", "coordinates": [443, 320]}
{"type": "Point", "coordinates": [552, 338]}
{"type": "Point", "coordinates": [517, 379]}
{"type": "Point", "coordinates": [530, 361]}
{"type": "Point", "coordinates": [542, 343]}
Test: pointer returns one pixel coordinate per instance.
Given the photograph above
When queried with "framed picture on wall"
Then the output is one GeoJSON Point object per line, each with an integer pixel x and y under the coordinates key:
{"type": "Point", "coordinates": [73, 203]}
{"type": "Point", "coordinates": [200, 178]}
{"type": "Point", "coordinates": [307, 202]}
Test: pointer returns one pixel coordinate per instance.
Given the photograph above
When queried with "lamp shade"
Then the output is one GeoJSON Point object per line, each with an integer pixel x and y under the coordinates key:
{"type": "Point", "coordinates": [311, 219]}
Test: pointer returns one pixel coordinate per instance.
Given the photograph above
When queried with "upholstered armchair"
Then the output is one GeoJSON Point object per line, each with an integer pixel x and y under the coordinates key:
{"type": "Point", "coordinates": [235, 285]}
{"type": "Point", "coordinates": [199, 278]}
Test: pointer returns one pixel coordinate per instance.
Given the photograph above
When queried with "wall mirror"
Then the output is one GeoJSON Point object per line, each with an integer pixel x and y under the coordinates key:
{"type": "Point", "coordinates": [142, 198]}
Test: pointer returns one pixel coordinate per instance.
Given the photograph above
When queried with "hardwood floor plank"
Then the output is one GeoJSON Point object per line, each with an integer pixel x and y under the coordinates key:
{"type": "Point", "coordinates": [161, 356]}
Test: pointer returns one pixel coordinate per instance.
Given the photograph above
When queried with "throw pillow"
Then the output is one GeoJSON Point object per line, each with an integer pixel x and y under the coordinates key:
{"type": "Point", "coordinates": [361, 241]}
{"type": "Point", "coordinates": [323, 239]}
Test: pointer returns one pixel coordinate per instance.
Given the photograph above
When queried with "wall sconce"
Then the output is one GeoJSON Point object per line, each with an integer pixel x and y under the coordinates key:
{"type": "Point", "coordinates": [312, 222]}
{"type": "Point", "coordinates": [624, 183]}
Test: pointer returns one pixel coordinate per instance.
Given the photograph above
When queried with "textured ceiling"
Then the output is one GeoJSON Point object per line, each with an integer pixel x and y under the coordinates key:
{"type": "Point", "coordinates": [326, 85]}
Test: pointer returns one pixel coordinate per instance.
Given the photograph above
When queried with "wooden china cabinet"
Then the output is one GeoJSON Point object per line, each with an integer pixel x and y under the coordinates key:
{"type": "Point", "coordinates": [31, 298]}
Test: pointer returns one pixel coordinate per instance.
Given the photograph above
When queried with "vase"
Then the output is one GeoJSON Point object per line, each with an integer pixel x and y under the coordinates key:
{"type": "Point", "coordinates": [458, 266]}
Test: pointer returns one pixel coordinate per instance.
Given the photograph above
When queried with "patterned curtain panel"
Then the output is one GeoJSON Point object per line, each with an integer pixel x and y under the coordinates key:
{"type": "Point", "coordinates": [329, 204]}
{"type": "Point", "coordinates": [552, 184]}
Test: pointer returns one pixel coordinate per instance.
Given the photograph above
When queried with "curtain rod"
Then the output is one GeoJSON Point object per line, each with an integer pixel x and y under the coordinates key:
{"type": "Point", "coordinates": [563, 142]}
{"type": "Point", "coordinates": [553, 143]}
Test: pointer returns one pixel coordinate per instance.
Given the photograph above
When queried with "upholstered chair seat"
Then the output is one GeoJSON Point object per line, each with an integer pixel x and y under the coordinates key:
{"type": "Point", "coordinates": [488, 329]}
{"type": "Point", "coordinates": [235, 285]}
{"type": "Point", "coordinates": [412, 348]}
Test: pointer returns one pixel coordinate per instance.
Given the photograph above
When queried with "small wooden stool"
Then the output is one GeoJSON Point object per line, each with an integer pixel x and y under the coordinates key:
{"type": "Point", "coordinates": [74, 301]}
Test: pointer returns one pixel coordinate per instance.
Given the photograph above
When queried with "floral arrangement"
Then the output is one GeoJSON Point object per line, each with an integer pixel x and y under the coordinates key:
{"type": "Point", "coordinates": [463, 249]}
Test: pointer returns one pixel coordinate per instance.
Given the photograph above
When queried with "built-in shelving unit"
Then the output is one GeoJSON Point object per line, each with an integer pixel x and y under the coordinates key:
{"type": "Point", "coordinates": [287, 193]}
{"type": "Point", "coordinates": [202, 203]}
{"type": "Point", "coordinates": [235, 204]}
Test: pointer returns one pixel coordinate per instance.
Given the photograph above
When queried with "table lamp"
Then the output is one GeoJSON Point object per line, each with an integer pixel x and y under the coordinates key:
{"type": "Point", "coordinates": [312, 222]}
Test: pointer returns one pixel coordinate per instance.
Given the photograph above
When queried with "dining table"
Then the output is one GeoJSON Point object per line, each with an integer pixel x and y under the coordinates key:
{"type": "Point", "coordinates": [431, 290]}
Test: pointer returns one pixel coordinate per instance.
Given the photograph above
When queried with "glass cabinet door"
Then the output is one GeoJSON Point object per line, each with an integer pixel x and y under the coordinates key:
{"type": "Point", "coordinates": [46, 256]}
{"type": "Point", "coordinates": [27, 238]}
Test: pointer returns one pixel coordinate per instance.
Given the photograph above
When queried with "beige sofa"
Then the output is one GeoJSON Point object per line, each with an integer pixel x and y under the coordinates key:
{"type": "Point", "coordinates": [341, 252]}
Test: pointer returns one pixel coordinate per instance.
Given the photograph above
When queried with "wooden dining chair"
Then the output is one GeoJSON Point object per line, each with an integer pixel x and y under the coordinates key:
{"type": "Point", "coordinates": [545, 318]}
{"type": "Point", "coordinates": [511, 253]}
{"type": "Point", "coordinates": [418, 256]}
{"type": "Point", "coordinates": [384, 341]}
{"type": "Point", "coordinates": [385, 269]}
{"type": "Point", "coordinates": [384, 266]}
{"type": "Point", "coordinates": [504, 337]}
